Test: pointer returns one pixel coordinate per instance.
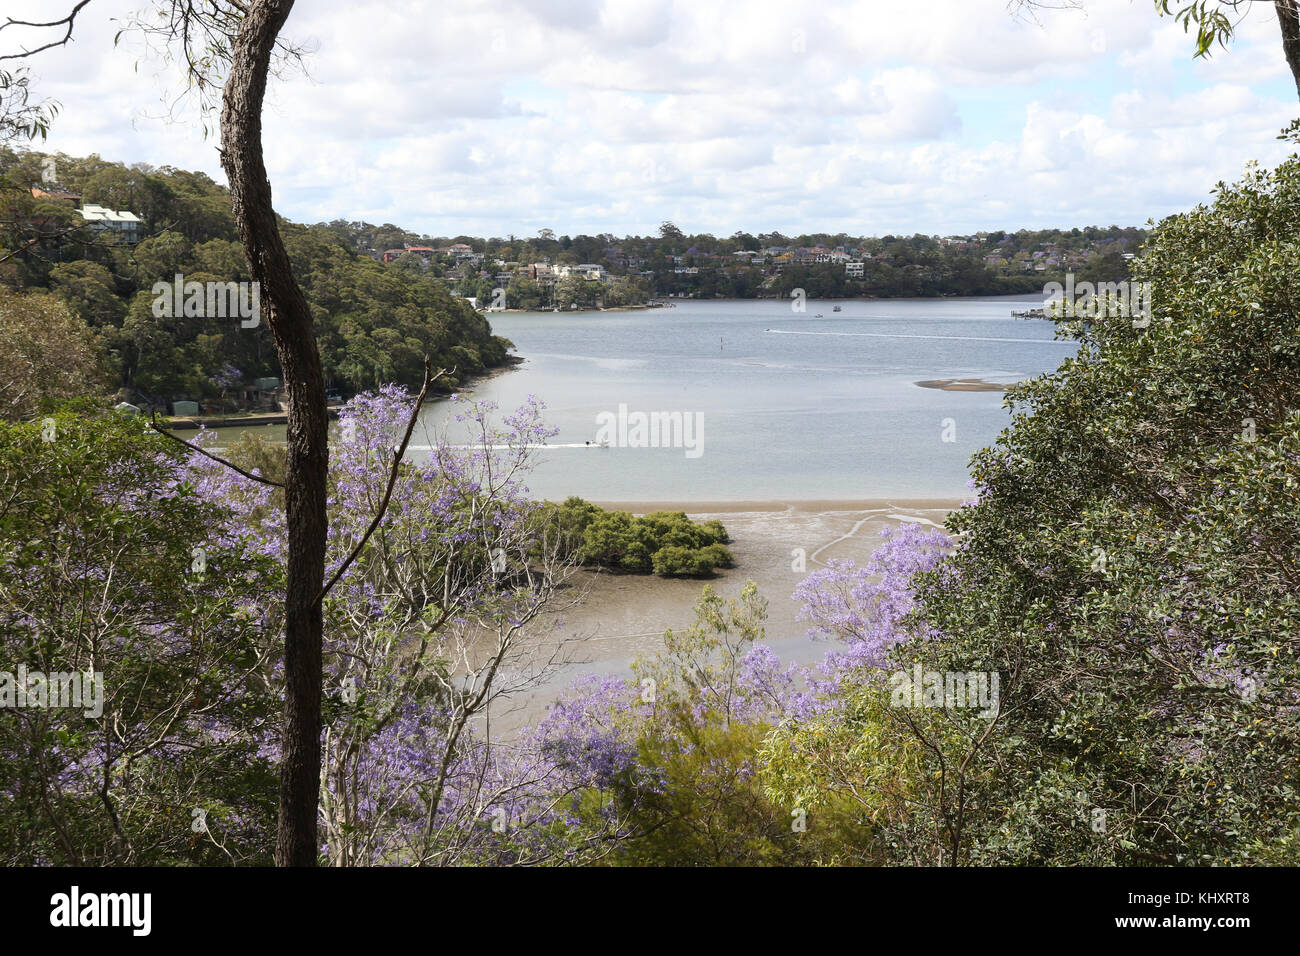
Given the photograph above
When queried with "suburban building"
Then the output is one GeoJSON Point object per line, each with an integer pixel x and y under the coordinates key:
{"type": "Point", "coordinates": [56, 195]}
{"type": "Point", "coordinates": [125, 225]}
{"type": "Point", "coordinates": [587, 270]}
{"type": "Point", "coordinates": [538, 272]}
{"type": "Point", "coordinates": [424, 252]}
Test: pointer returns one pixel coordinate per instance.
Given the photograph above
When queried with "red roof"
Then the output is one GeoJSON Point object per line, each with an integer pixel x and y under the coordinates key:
{"type": "Point", "coordinates": [54, 194]}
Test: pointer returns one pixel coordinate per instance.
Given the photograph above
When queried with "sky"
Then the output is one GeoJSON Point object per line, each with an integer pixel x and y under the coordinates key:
{"type": "Point", "coordinates": [504, 117]}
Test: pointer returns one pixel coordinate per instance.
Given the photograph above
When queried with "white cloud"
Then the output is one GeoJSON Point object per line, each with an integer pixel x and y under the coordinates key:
{"type": "Point", "coordinates": [497, 116]}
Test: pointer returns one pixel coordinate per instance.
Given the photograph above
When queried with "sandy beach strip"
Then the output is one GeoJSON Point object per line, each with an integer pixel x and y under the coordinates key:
{"type": "Point", "coordinates": [965, 385]}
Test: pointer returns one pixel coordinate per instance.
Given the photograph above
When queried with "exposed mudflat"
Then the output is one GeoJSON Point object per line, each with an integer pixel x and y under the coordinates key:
{"type": "Point", "coordinates": [624, 616]}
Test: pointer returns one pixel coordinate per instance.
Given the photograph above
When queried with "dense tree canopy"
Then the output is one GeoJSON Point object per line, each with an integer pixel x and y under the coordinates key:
{"type": "Point", "coordinates": [374, 324]}
{"type": "Point", "coordinates": [1130, 572]}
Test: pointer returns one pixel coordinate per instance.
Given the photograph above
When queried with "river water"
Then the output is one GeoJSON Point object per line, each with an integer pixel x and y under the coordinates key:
{"type": "Point", "coordinates": [787, 405]}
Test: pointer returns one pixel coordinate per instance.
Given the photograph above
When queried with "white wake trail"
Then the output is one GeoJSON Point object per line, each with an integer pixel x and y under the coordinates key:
{"type": "Point", "coordinates": [900, 335]}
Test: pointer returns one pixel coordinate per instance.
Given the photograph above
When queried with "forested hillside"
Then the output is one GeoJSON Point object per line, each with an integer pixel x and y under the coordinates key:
{"type": "Point", "coordinates": [374, 324]}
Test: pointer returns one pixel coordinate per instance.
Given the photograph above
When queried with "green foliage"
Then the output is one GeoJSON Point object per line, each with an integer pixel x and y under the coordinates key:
{"type": "Point", "coordinates": [564, 524]}
{"type": "Point", "coordinates": [97, 571]}
{"type": "Point", "coordinates": [667, 543]}
{"type": "Point", "coordinates": [573, 291]}
{"type": "Point", "coordinates": [880, 760]}
{"type": "Point", "coordinates": [260, 456]}
{"type": "Point", "coordinates": [90, 292]}
{"type": "Point", "coordinates": [701, 742]}
{"type": "Point", "coordinates": [1133, 566]}
{"type": "Point", "coordinates": [711, 812]}
{"type": "Point", "coordinates": [699, 666]}
{"type": "Point", "coordinates": [374, 323]}
{"type": "Point", "coordinates": [46, 355]}
{"type": "Point", "coordinates": [674, 561]}
{"type": "Point", "coordinates": [20, 117]}
{"type": "Point", "coordinates": [1212, 24]}
{"type": "Point", "coordinates": [893, 265]}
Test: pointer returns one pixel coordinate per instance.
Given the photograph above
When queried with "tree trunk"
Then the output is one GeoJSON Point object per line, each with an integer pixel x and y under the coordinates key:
{"type": "Point", "coordinates": [1288, 17]}
{"type": "Point", "coordinates": [290, 321]}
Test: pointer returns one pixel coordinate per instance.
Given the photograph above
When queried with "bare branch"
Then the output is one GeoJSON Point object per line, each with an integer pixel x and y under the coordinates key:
{"type": "Point", "coordinates": [1028, 9]}
{"type": "Point", "coordinates": [23, 248]}
{"type": "Point", "coordinates": [197, 36]}
{"type": "Point", "coordinates": [69, 21]}
{"type": "Point", "coordinates": [207, 454]}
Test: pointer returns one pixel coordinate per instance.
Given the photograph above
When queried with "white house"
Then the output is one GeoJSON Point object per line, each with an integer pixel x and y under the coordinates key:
{"type": "Point", "coordinates": [125, 224]}
{"type": "Point", "coordinates": [587, 270]}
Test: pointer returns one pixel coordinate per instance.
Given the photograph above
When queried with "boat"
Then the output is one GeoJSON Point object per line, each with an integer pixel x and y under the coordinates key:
{"type": "Point", "coordinates": [837, 309]}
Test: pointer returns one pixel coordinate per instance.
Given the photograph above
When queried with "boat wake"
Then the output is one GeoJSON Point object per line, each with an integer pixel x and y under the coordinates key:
{"type": "Point", "coordinates": [945, 338]}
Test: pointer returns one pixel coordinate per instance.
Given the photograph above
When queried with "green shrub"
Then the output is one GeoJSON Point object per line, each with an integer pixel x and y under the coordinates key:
{"type": "Point", "coordinates": [719, 556]}
{"type": "Point", "coordinates": [678, 562]}
{"type": "Point", "coordinates": [621, 541]}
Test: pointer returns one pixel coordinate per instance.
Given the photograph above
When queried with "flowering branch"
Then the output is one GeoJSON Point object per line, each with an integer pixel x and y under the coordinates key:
{"type": "Point", "coordinates": [429, 378]}
{"type": "Point", "coordinates": [207, 454]}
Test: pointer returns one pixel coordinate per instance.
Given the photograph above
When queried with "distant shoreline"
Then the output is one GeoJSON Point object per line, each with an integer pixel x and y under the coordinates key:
{"type": "Point", "coordinates": [669, 303]}
{"type": "Point", "coordinates": [612, 308]}
{"type": "Point", "coordinates": [192, 422]}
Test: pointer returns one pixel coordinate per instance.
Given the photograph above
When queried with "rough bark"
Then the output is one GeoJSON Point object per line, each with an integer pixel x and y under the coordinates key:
{"type": "Point", "coordinates": [1288, 17]}
{"type": "Point", "coordinates": [290, 321]}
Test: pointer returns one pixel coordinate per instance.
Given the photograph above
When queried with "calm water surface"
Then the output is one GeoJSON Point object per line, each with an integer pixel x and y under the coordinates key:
{"type": "Point", "coordinates": [793, 406]}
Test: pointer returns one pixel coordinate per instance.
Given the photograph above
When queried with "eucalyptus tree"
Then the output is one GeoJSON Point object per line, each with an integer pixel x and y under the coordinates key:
{"type": "Point", "coordinates": [46, 354]}
{"type": "Point", "coordinates": [229, 45]}
{"type": "Point", "coordinates": [227, 50]}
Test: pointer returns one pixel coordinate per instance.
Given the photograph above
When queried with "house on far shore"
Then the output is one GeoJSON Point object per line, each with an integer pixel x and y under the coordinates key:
{"type": "Point", "coordinates": [460, 251]}
{"type": "Point", "coordinates": [424, 252]}
{"type": "Point", "coordinates": [125, 225]}
{"type": "Point", "coordinates": [587, 270]}
{"type": "Point", "coordinates": [55, 195]}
